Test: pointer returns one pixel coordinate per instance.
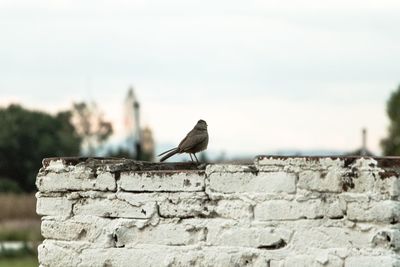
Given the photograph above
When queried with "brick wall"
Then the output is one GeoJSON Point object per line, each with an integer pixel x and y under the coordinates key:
{"type": "Point", "coordinates": [275, 212]}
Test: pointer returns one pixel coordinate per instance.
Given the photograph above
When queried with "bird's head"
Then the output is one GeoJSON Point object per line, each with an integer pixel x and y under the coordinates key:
{"type": "Point", "coordinates": [201, 125]}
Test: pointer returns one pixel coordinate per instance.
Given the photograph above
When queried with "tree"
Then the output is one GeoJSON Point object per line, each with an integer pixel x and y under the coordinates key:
{"type": "Point", "coordinates": [26, 137]}
{"type": "Point", "coordinates": [90, 125]}
{"type": "Point", "coordinates": [391, 144]}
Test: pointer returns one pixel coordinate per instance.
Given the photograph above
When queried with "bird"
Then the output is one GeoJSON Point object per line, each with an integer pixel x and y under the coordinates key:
{"type": "Point", "coordinates": [195, 141]}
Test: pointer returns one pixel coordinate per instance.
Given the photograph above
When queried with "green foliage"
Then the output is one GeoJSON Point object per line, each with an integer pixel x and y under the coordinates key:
{"type": "Point", "coordinates": [25, 261]}
{"type": "Point", "coordinates": [26, 137]}
{"type": "Point", "coordinates": [8, 186]}
{"type": "Point", "coordinates": [30, 234]}
{"type": "Point", "coordinates": [391, 144]}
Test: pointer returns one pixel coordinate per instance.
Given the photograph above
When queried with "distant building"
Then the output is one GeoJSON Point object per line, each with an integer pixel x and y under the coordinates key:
{"type": "Point", "coordinates": [132, 124]}
{"type": "Point", "coordinates": [138, 143]}
{"type": "Point", "coordinates": [363, 151]}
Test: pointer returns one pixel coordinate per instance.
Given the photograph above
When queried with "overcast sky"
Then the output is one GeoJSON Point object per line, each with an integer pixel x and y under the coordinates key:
{"type": "Point", "coordinates": [265, 75]}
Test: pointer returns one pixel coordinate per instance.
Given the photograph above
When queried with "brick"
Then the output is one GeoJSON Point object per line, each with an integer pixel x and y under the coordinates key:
{"type": "Point", "coordinates": [263, 182]}
{"type": "Point", "coordinates": [77, 180]}
{"type": "Point", "coordinates": [79, 228]}
{"type": "Point", "coordinates": [114, 208]}
{"type": "Point", "coordinates": [390, 185]}
{"type": "Point", "coordinates": [233, 209]}
{"type": "Point", "coordinates": [384, 211]}
{"type": "Point", "coordinates": [298, 163]}
{"type": "Point", "coordinates": [256, 237]}
{"type": "Point", "coordinates": [325, 237]}
{"type": "Point", "coordinates": [124, 257]}
{"type": "Point", "coordinates": [159, 181]}
{"type": "Point", "coordinates": [371, 261]}
{"type": "Point", "coordinates": [165, 233]}
{"type": "Point", "coordinates": [276, 263]}
{"type": "Point", "coordinates": [176, 256]}
{"type": "Point", "coordinates": [183, 205]}
{"type": "Point", "coordinates": [320, 181]}
{"type": "Point", "coordinates": [53, 206]}
{"type": "Point", "coordinates": [322, 259]}
{"type": "Point", "coordinates": [294, 210]}
{"type": "Point", "coordinates": [54, 254]}
{"type": "Point", "coordinates": [230, 168]}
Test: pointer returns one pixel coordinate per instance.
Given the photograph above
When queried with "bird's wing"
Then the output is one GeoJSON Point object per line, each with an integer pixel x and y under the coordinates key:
{"type": "Point", "coordinates": [191, 140]}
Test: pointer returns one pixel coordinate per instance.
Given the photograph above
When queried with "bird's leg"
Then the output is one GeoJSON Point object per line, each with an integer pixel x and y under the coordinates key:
{"type": "Point", "coordinates": [194, 154]}
{"type": "Point", "coordinates": [191, 157]}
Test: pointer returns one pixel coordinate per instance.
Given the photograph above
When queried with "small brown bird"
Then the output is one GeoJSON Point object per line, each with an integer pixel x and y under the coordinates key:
{"type": "Point", "coordinates": [195, 141]}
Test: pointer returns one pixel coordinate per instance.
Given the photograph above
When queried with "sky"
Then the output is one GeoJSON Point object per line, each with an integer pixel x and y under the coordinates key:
{"type": "Point", "coordinates": [265, 75]}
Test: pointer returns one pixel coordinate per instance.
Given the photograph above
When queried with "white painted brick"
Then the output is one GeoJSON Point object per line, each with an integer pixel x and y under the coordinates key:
{"type": "Point", "coordinates": [124, 257]}
{"type": "Point", "coordinates": [186, 205]}
{"type": "Point", "coordinates": [298, 163]}
{"type": "Point", "coordinates": [53, 206]}
{"type": "Point", "coordinates": [114, 208]}
{"type": "Point", "coordinates": [294, 210]}
{"type": "Point", "coordinates": [171, 256]}
{"type": "Point", "coordinates": [320, 182]}
{"type": "Point", "coordinates": [264, 238]}
{"type": "Point", "coordinates": [384, 211]}
{"type": "Point", "coordinates": [389, 185]}
{"type": "Point", "coordinates": [263, 182]}
{"type": "Point", "coordinates": [363, 182]}
{"type": "Point", "coordinates": [313, 261]}
{"type": "Point", "coordinates": [52, 255]}
{"type": "Point", "coordinates": [300, 261]}
{"type": "Point", "coordinates": [230, 168]}
{"type": "Point", "coordinates": [182, 205]}
{"type": "Point", "coordinates": [56, 166]}
{"type": "Point", "coordinates": [330, 237]}
{"type": "Point", "coordinates": [219, 258]}
{"type": "Point", "coordinates": [79, 228]}
{"type": "Point", "coordinates": [233, 209]}
{"type": "Point", "coordinates": [165, 233]}
{"type": "Point", "coordinates": [69, 181]}
{"type": "Point", "coordinates": [161, 181]}
{"type": "Point", "coordinates": [276, 263]}
{"type": "Point", "coordinates": [370, 261]}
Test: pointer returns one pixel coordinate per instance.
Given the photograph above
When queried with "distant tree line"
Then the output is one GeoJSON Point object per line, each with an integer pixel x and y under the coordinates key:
{"type": "Point", "coordinates": [391, 144]}
{"type": "Point", "coordinates": [28, 136]}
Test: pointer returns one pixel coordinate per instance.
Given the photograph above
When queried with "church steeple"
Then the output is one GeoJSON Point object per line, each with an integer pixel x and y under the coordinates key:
{"type": "Point", "coordinates": [132, 123]}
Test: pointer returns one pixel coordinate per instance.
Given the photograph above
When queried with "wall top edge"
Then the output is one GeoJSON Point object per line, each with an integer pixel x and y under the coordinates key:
{"type": "Point", "coordinates": [382, 162]}
{"type": "Point", "coordinates": [123, 164]}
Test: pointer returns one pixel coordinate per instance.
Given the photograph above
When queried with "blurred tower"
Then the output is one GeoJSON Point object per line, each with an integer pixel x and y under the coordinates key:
{"type": "Point", "coordinates": [132, 124]}
{"type": "Point", "coordinates": [364, 150]}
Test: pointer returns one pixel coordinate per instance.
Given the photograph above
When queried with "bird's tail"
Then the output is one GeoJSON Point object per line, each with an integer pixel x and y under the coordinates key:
{"type": "Point", "coordinates": [170, 153]}
{"type": "Point", "coordinates": [166, 151]}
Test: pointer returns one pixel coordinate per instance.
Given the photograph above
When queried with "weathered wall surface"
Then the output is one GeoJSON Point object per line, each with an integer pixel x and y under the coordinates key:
{"type": "Point", "coordinates": [276, 212]}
